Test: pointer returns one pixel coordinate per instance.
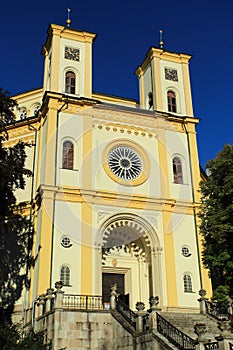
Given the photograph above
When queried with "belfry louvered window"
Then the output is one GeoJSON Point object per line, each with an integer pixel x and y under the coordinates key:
{"type": "Point", "coordinates": [70, 81]}
{"type": "Point", "coordinates": [171, 101]}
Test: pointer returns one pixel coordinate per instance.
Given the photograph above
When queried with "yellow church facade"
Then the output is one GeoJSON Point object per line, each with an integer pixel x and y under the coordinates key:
{"type": "Point", "coordinates": [114, 196]}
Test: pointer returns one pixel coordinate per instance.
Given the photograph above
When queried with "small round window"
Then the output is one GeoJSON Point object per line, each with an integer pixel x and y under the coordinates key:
{"type": "Point", "coordinates": [186, 251]}
{"type": "Point", "coordinates": [125, 163]}
{"type": "Point", "coordinates": [66, 242]}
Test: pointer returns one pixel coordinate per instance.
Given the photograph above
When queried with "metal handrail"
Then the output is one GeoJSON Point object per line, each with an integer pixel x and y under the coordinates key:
{"type": "Point", "coordinates": [217, 310]}
{"type": "Point", "coordinates": [83, 302]}
{"type": "Point", "coordinates": [125, 311]}
{"type": "Point", "coordinates": [211, 346]}
{"type": "Point", "coordinates": [174, 335]}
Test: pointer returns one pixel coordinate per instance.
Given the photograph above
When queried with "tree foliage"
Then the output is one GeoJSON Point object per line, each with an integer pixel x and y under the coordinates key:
{"type": "Point", "coordinates": [14, 226]}
{"type": "Point", "coordinates": [10, 339]}
{"type": "Point", "coordinates": [217, 221]}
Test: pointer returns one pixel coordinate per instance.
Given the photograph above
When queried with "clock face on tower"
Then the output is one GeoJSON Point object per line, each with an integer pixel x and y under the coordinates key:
{"type": "Point", "coordinates": [72, 53]}
{"type": "Point", "coordinates": [171, 74]}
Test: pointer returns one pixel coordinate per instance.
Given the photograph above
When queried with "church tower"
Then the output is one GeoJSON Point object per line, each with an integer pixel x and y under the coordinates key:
{"type": "Point", "coordinates": [164, 82]}
{"type": "Point", "coordinates": [69, 52]}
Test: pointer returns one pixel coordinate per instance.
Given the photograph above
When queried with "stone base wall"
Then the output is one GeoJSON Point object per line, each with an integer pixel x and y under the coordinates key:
{"type": "Point", "coordinates": [73, 330]}
{"type": "Point", "coordinates": [69, 329]}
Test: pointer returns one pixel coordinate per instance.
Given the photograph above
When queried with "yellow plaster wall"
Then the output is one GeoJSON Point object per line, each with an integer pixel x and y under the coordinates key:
{"type": "Point", "coordinates": [171, 277]}
{"type": "Point", "coordinates": [86, 251]}
{"type": "Point", "coordinates": [68, 223]}
{"type": "Point", "coordinates": [187, 88]}
{"type": "Point", "coordinates": [156, 81]}
{"type": "Point", "coordinates": [49, 148]}
{"type": "Point", "coordinates": [44, 259]}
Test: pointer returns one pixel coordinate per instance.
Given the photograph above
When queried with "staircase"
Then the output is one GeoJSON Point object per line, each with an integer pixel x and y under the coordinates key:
{"type": "Point", "coordinates": [175, 330]}
{"type": "Point", "coordinates": [186, 321]}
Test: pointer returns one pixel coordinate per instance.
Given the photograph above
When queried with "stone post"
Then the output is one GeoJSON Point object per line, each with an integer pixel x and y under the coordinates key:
{"type": "Point", "coordinates": [49, 298]}
{"type": "Point", "coordinates": [41, 304]}
{"type": "Point", "coordinates": [113, 296]}
{"type": "Point", "coordinates": [59, 295]}
{"type": "Point", "coordinates": [200, 329]}
{"type": "Point", "coordinates": [229, 309]}
{"type": "Point", "coordinates": [202, 301]}
{"type": "Point", "coordinates": [153, 301]}
{"type": "Point", "coordinates": [54, 320]}
{"type": "Point", "coordinates": [226, 336]}
{"type": "Point", "coordinates": [140, 306]}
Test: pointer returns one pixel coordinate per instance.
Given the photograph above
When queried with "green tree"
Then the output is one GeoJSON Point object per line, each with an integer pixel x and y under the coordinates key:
{"type": "Point", "coordinates": [14, 227]}
{"type": "Point", "coordinates": [10, 339]}
{"type": "Point", "coordinates": [217, 222]}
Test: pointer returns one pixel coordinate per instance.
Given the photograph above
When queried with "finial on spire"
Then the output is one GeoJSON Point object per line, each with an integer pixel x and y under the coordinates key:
{"type": "Point", "coordinates": [161, 43]}
{"type": "Point", "coordinates": [68, 21]}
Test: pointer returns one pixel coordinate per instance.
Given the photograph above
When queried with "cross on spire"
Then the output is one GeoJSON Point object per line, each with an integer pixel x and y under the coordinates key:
{"type": "Point", "coordinates": [68, 21]}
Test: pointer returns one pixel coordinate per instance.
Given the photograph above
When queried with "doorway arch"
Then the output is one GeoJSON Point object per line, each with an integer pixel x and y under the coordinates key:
{"type": "Point", "coordinates": [129, 246]}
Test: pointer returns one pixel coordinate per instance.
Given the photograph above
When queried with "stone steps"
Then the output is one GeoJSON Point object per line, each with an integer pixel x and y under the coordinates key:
{"type": "Point", "coordinates": [186, 321]}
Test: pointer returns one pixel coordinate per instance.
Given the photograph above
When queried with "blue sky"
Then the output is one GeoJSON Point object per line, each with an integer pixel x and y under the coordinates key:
{"type": "Point", "coordinates": [126, 29]}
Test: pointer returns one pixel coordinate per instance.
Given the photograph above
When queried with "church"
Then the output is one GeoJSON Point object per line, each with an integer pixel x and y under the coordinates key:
{"type": "Point", "coordinates": [114, 194]}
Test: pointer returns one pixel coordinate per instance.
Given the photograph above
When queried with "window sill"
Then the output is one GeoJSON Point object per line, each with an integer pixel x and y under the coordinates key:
{"type": "Point", "coordinates": [181, 183]}
{"type": "Point", "coordinates": [69, 169]}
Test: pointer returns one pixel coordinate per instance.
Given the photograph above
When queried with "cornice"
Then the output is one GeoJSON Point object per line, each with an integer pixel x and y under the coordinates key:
{"type": "Point", "coordinates": [161, 54]}
{"type": "Point", "coordinates": [115, 99]}
{"type": "Point", "coordinates": [21, 130]}
{"type": "Point", "coordinates": [67, 33]}
{"type": "Point", "coordinates": [139, 123]}
{"type": "Point", "coordinates": [115, 199]}
{"type": "Point", "coordinates": [28, 94]}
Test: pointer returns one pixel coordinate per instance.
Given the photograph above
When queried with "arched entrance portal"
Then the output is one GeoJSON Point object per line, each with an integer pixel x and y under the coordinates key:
{"type": "Point", "coordinates": [130, 257]}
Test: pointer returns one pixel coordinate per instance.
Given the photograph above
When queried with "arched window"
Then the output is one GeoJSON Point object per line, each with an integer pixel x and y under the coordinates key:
{"type": "Point", "coordinates": [171, 101]}
{"type": "Point", "coordinates": [177, 170]}
{"type": "Point", "coordinates": [187, 283]}
{"type": "Point", "coordinates": [70, 81]}
{"type": "Point", "coordinates": [67, 155]}
{"type": "Point", "coordinates": [65, 275]}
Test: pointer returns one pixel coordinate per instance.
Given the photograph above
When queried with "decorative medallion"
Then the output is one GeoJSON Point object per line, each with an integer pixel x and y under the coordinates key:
{"type": "Point", "coordinates": [125, 163]}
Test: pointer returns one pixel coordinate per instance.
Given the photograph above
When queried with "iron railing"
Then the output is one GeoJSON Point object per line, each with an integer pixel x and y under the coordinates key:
{"type": "Point", "coordinates": [83, 302]}
{"type": "Point", "coordinates": [125, 311]}
{"type": "Point", "coordinates": [211, 346]}
{"type": "Point", "coordinates": [174, 335]}
{"type": "Point", "coordinates": [217, 310]}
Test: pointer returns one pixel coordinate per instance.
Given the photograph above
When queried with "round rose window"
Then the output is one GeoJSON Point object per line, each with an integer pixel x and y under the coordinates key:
{"type": "Point", "coordinates": [125, 163]}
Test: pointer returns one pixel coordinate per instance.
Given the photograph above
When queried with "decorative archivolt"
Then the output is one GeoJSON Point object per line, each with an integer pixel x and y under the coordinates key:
{"type": "Point", "coordinates": [134, 249]}
{"type": "Point", "coordinates": [128, 232]}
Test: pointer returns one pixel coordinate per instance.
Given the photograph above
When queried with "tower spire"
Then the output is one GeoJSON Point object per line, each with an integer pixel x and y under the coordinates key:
{"type": "Point", "coordinates": [161, 43]}
{"type": "Point", "coordinates": [68, 21]}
